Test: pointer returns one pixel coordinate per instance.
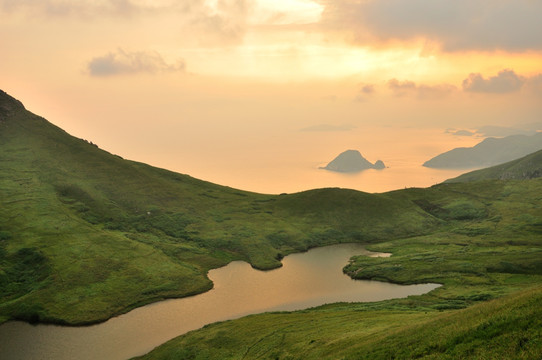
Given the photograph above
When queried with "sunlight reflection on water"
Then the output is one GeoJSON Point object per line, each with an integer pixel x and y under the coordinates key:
{"type": "Point", "coordinates": [306, 280]}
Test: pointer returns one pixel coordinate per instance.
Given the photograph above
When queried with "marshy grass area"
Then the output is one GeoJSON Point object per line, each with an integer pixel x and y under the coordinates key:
{"type": "Point", "coordinates": [86, 235]}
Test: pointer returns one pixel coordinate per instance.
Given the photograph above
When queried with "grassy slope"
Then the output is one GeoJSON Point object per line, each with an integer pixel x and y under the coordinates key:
{"type": "Point", "coordinates": [488, 256]}
{"type": "Point", "coordinates": [527, 167]}
{"type": "Point", "coordinates": [85, 235]}
{"type": "Point", "coordinates": [506, 328]}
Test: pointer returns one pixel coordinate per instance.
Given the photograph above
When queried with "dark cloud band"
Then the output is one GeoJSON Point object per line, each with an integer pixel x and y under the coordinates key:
{"type": "Point", "coordinates": [512, 25]}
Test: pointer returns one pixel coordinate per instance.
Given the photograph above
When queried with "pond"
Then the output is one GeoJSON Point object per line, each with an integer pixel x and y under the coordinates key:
{"type": "Point", "coordinates": [305, 280]}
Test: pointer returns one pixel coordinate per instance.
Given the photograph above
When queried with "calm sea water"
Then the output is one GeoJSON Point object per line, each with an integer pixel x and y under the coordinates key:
{"type": "Point", "coordinates": [289, 162]}
{"type": "Point", "coordinates": [305, 280]}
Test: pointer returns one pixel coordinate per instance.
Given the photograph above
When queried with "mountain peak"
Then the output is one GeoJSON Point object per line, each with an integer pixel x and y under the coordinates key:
{"type": "Point", "coordinates": [8, 105]}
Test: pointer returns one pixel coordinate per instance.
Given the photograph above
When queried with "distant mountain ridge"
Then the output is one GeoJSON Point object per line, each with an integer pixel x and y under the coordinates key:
{"type": "Point", "coordinates": [491, 151]}
{"type": "Point", "coordinates": [528, 167]}
{"type": "Point", "coordinates": [352, 161]}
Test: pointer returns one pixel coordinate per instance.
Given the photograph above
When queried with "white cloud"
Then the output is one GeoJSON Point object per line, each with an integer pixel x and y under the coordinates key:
{"type": "Point", "coordinates": [123, 62]}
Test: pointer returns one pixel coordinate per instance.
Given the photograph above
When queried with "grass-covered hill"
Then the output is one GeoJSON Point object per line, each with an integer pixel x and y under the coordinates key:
{"type": "Point", "coordinates": [85, 235]}
{"type": "Point", "coordinates": [488, 256]}
{"type": "Point", "coordinates": [528, 167]}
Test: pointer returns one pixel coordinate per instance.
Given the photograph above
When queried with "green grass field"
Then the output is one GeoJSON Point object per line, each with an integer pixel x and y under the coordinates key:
{"type": "Point", "coordinates": [505, 328]}
{"type": "Point", "coordinates": [528, 167]}
{"type": "Point", "coordinates": [487, 253]}
{"type": "Point", "coordinates": [86, 235]}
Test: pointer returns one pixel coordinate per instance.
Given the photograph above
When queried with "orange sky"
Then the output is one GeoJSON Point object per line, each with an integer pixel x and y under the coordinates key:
{"type": "Point", "coordinates": [207, 80]}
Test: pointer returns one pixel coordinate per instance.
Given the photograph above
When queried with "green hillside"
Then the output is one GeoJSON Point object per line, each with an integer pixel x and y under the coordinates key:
{"type": "Point", "coordinates": [528, 167]}
{"type": "Point", "coordinates": [85, 234]}
{"type": "Point", "coordinates": [506, 328]}
{"type": "Point", "coordinates": [488, 256]}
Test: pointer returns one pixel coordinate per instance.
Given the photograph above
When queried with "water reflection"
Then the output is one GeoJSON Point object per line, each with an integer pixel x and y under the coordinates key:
{"type": "Point", "coordinates": [306, 280]}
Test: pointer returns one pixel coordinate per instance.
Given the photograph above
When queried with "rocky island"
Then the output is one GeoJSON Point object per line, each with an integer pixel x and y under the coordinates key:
{"type": "Point", "coordinates": [352, 161]}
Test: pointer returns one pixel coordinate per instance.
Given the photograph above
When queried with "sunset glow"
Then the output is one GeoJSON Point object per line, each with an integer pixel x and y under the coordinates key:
{"type": "Point", "coordinates": [117, 72]}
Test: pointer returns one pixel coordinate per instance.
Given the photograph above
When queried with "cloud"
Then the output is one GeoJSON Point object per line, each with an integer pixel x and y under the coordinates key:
{"type": "Point", "coordinates": [80, 8]}
{"type": "Point", "coordinates": [534, 84]}
{"type": "Point", "coordinates": [505, 81]}
{"type": "Point", "coordinates": [501, 131]}
{"type": "Point", "coordinates": [365, 91]}
{"type": "Point", "coordinates": [225, 22]}
{"type": "Point", "coordinates": [216, 21]}
{"type": "Point", "coordinates": [423, 91]}
{"type": "Point", "coordinates": [123, 62]}
{"type": "Point", "coordinates": [435, 91]}
{"type": "Point", "coordinates": [461, 132]}
{"type": "Point", "coordinates": [329, 127]}
{"type": "Point", "coordinates": [498, 131]}
{"type": "Point", "coordinates": [401, 88]}
{"type": "Point", "coordinates": [271, 12]}
{"type": "Point", "coordinates": [512, 25]}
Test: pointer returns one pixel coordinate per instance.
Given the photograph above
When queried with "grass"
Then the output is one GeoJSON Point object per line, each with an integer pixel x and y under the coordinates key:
{"type": "Point", "coordinates": [113, 234]}
{"type": "Point", "coordinates": [505, 328]}
{"type": "Point", "coordinates": [86, 235]}
{"type": "Point", "coordinates": [527, 167]}
{"type": "Point", "coordinates": [487, 253]}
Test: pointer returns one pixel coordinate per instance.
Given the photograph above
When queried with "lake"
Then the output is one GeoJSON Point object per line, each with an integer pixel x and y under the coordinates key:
{"type": "Point", "coordinates": [306, 280]}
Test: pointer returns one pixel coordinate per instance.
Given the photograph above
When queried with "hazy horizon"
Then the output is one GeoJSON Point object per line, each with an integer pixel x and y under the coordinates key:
{"type": "Point", "coordinates": [257, 94]}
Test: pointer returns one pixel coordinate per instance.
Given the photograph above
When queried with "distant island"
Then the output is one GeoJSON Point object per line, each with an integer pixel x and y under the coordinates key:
{"type": "Point", "coordinates": [352, 161]}
{"type": "Point", "coordinates": [490, 152]}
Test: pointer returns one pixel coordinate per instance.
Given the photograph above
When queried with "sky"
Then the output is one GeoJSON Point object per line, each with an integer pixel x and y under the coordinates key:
{"type": "Point", "coordinates": [256, 94]}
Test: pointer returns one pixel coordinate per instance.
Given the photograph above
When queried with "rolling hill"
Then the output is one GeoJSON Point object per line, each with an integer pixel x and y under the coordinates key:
{"type": "Point", "coordinates": [528, 167]}
{"type": "Point", "coordinates": [487, 255]}
{"type": "Point", "coordinates": [86, 234]}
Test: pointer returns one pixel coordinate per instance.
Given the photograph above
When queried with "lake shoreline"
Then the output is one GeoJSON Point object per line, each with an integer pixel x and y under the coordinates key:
{"type": "Point", "coordinates": [307, 280]}
{"type": "Point", "coordinates": [61, 322]}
